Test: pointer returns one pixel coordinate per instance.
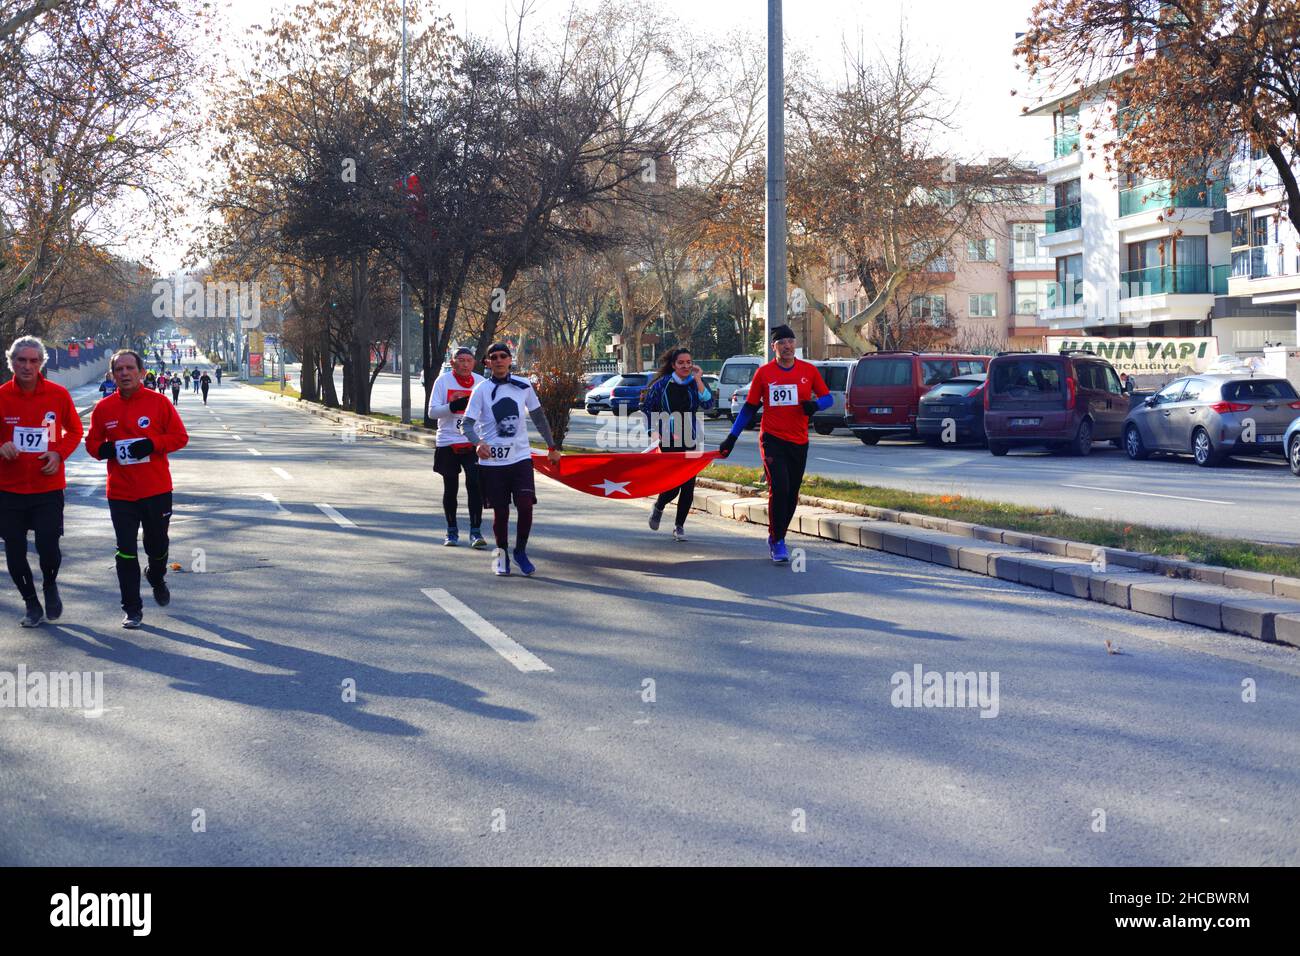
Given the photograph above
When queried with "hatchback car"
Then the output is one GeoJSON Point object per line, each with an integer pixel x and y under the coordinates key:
{"type": "Point", "coordinates": [597, 400]}
{"type": "Point", "coordinates": [591, 381]}
{"type": "Point", "coordinates": [626, 393]}
{"type": "Point", "coordinates": [1064, 401]}
{"type": "Point", "coordinates": [738, 397]}
{"type": "Point", "coordinates": [1291, 442]}
{"type": "Point", "coordinates": [1212, 417]}
{"type": "Point", "coordinates": [959, 401]}
{"type": "Point", "coordinates": [886, 388]}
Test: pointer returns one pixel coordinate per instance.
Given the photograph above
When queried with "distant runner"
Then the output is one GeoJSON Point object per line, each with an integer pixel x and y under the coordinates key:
{"type": "Point", "coordinates": [785, 388]}
{"type": "Point", "coordinates": [194, 377]}
{"type": "Point", "coordinates": [218, 376]}
{"type": "Point", "coordinates": [176, 389]}
{"type": "Point", "coordinates": [107, 387]}
{"type": "Point", "coordinates": [135, 430]}
{"type": "Point", "coordinates": [205, 382]}
{"type": "Point", "coordinates": [498, 406]}
{"type": "Point", "coordinates": [39, 428]}
{"type": "Point", "coordinates": [454, 453]}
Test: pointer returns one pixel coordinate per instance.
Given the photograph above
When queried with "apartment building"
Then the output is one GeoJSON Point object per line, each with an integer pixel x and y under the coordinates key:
{"type": "Point", "coordinates": [991, 286]}
{"type": "Point", "coordinates": [1136, 257]}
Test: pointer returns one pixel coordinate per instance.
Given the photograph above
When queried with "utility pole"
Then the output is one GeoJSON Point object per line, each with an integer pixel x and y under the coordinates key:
{"type": "Point", "coordinates": [401, 324]}
{"type": "Point", "coordinates": [774, 274]}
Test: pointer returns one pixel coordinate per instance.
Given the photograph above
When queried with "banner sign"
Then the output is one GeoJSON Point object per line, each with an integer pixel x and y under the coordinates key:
{"type": "Point", "coordinates": [1156, 357]}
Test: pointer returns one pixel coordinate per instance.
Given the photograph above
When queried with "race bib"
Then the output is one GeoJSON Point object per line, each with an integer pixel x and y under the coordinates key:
{"type": "Point", "coordinates": [499, 452]}
{"type": "Point", "coordinates": [32, 441]}
{"type": "Point", "coordinates": [782, 395]}
{"type": "Point", "coordinates": [123, 449]}
{"type": "Point", "coordinates": [460, 425]}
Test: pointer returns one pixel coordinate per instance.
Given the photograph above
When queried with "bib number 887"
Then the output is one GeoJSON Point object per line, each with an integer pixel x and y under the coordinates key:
{"type": "Point", "coordinates": [499, 451]}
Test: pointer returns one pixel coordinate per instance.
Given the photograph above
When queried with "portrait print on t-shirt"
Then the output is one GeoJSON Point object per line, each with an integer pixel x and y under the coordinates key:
{"type": "Point", "coordinates": [506, 413]}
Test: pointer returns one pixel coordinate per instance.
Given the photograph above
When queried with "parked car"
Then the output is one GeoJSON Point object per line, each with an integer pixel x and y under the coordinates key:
{"type": "Point", "coordinates": [626, 393]}
{"type": "Point", "coordinates": [736, 372]}
{"type": "Point", "coordinates": [713, 407]}
{"type": "Point", "coordinates": [885, 394]}
{"type": "Point", "coordinates": [1064, 401]}
{"type": "Point", "coordinates": [598, 397]}
{"type": "Point", "coordinates": [1211, 417]}
{"type": "Point", "coordinates": [738, 398]}
{"type": "Point", "coordinates": [959, 400]}
{"type": "Point", "coordinates": [589, 382]}
{"type": "Point", "coordinates": [835, 373]}
{"type": "Point", "coordinates": [1291, 442]}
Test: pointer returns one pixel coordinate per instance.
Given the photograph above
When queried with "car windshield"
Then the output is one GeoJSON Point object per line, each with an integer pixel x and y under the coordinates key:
{"type": "Point", "coordinates": [1259, 390]}
{"type": "Point", "coordinates": [883, 372]}
{"type": "Point", "coordinates": [632, 380]}
{"type": "Point", "coordinates": [835, 376]}
{"type": "Point", "coordinates": [957, 387]}
{"type": "Point", "coordinates": [1026, 377]}
{"type": "Point", "coordinates": [738, 373]}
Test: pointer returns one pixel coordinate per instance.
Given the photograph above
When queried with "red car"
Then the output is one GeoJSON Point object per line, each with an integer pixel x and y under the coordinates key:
{"type": "Point", "coordinates": [885, 392]}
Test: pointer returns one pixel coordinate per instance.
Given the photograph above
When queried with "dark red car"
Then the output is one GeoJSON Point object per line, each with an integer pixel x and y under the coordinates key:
{"type": "Point", "coordinates": [885, 391]}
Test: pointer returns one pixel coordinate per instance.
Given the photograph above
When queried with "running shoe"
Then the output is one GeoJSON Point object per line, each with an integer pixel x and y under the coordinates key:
{"type": "Point", "coordinates": [526, 566]}
{"type": "Point", "coordinates": [476, 539]}
{"type": "Point", "coordinates": [679, 534]}
{"type": "Point", "coordinates": [655, 516]}
{"type": "Point", "coordinates": [452, 539]}
{"type": "Point", "coordinates": [133, 620]}
{"type": "Point", "coordinates": [162, 594]}
{"type": "Point", "coordinates": [779, 553]}
{"type": "Point", "coordinates": [500, 562]}
{"type": "Point", "coordinates": [35, 613]}
{"type": "Point", "coordinates": [53, 603]}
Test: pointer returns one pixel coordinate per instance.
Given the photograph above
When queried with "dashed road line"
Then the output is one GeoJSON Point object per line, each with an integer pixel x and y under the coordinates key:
{"type": "Point", "coordinates": [283, 474]}
{"type": "Point", "coordinates": [334, 516]}
{"type": "Point", "coordinates": [1148, 494]}
{"type": "Point", "coordinates": [254, 451]}
{"type": "Point", "coordinates": [514, 652]}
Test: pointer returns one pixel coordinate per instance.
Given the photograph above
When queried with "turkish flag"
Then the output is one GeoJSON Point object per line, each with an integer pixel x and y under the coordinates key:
{"type": "Point", "coordinates": [627, 475]}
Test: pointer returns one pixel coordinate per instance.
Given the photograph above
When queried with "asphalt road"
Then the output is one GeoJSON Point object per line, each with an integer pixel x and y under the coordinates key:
{"type": "Point", "coordinates": [771, 737]}
{"type": "Point", "coordinates": [1257, 499]}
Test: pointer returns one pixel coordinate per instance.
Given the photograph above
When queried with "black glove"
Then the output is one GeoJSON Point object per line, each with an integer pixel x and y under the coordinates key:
{"type": "Point", "coordinates": [458, 404]}
{"type": "Point", "coordinates": [105, 451]}
{"type": "Point", "coordinates": [810, 407]}
{"type": "Point", "coordinates": [728, 443]}
{"type": "Point", "coordinates": [140, 448]}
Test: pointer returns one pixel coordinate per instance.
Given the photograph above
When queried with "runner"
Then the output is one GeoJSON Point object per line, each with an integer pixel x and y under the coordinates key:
{"type": "Point", "coordinates": [218, 376]}
{"type": "Point", "coordinates": [107, 387]}
{"type": "Point", "coordinates": [163, 382]}
{"type": "Point", "coordinates": [150, 381]}
{"type": "Point", "coordinates": [447, 401]}
{"type": "Point", "coordinates": [205, 382]}
{"type": "Point", "coordinates": [194, 377]}
{"type": "Point", "coordinates": [672, 399]}
{"type": "Point", "coordinates": [176, 389]}
{"type": "Point", "coordinates": [497, 405]}
{"type": "Point", "coordinates": [785, 386]}
{"type": "Point", "coordinates": [40, 428]}
{"type": "Point", "coordinates": [135, 430]}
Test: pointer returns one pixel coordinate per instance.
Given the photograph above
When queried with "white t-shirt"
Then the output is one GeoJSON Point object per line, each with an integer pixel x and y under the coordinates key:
{"type": "Point", "coordinates": [445, 390]}
{"type": "Point", "coordinates": [500, 413]}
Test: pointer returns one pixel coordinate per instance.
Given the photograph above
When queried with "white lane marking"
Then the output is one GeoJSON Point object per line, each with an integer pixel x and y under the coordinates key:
{"type": "Point", "coordinates": [283, 474]}
{"type": "Point", "coordinates": [226, 427]}
{"type": "Point", "coordinates": [841, 461]}
{"type": "Point", "coordinates": [518, 655]}
{"type": "Point", "coordinates": [235, 437]}
{"type": "Point", "coordinates": [255, 451]}
{"type": "Point", "coordinates": [89, 489]}
{"type": "Point", "coordinates": [334, 516]}
{"type": "Point", "coordinates": [1148, 494]}
{"type": "Point", "coordinates": [279, 508]}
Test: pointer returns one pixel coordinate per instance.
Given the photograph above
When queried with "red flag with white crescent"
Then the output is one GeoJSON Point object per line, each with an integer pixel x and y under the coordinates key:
{"type": "Point", "coordinates": [625, 475]}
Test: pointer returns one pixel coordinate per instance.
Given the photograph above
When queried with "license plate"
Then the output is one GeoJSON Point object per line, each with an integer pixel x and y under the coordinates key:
{"type": "Point", "coordinates": [880, 410]}
{"type": "Point", "coordinates": [940, 409]}
{"type": "Point", "coordinates": [1269, 439]}
{"type": "Point", "coordinates": [1025, 422]}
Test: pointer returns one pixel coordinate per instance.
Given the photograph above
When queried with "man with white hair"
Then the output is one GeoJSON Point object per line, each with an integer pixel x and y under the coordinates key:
{"type": "Point", "coordinates": [39, 429]}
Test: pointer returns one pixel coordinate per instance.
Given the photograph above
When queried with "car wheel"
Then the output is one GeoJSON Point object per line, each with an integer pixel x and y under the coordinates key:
{"type": "Point", "coordinates": [1082, 444]}
{"type": "Point", "coordinates": [933, 441]}
{"type": "Point", "coordinates": [998, 448]}
{"type": "Point", "coordinates": [868, 439]}
{"type": "Point", "coordinates": [1133, 444]}
{"type": "Point", "coordinates": [593, 411]}
{"type": "Point", "coordinates": [823, 429]}
{"type": "Point", "coordinates": [1203, 450]}
{"type": "Point", "coordinates": [1293, 455]}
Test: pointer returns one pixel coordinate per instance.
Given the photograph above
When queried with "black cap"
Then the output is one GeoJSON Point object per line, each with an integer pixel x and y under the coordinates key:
{"type": "Point", "coordinates": [782, 332]}
{"type": "Point", "coordinates": [499, 347]}
{"type": "Point", "coordinates": [463, 350]}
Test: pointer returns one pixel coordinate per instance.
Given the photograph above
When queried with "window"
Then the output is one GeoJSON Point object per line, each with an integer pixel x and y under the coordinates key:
{"type": "Point", "coordinates": [971, 368]}
{"type": "Point", "coordinates": [883, 372]}
{"type": "Point", "coordinates": [1193, 390]}
{"type": "Point", "coordinates": [1031, 296]}
{"type": "Point", "coordinates": [1259, 390]}
{"type": "Point", "coordinates": [1240, 229]}
{"type": "Point", "coordinates": [1259, 230]}
{"type": "Point", "coordinates": [738, 373]}
{"type": "Point", "coordinates": [983, 305]}
{"type": "Point", "coordinates": [930, 307]}
{"type": "Point", "coordinates": [1026, 377]}
{"type": "Point", "coordinates": [1113, 384]}
{"type": "Point", "coordinates": [981, 250]}
{"type": "Point", "coordinates": [1170, 393]}
{"type": "Point", "coordinates": [835, 376]}
{"type": "Point", "coordinates": [937, 370]}
{"type": "Point", "coordinates": [1067, 193]}
{"type": "Point", "coordinates": [1024, 240]}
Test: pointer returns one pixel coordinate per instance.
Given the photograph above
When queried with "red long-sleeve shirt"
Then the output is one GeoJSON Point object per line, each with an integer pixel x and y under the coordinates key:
{"type": "Point", "coordinates": [146, 414]}
{"type": "Point", "coordinates": [44, 419]}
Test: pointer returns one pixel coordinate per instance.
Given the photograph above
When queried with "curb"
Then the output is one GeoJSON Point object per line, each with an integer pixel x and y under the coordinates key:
{"type": "Point", "coordinates": [1261, 606]}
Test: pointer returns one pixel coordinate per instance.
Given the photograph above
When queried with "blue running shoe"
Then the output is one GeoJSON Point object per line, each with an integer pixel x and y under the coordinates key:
{"type": "Point", "coordinates": [526, 567]}
{"type": "Point", "coordinates": [779, 553]}
{"type": "Point", "coordinates": [476, 539]}
{"type": "Point", "coordinates": [452, 539]}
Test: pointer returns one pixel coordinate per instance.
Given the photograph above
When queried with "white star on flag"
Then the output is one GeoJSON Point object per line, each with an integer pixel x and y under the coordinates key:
{"type": "Point", "coordinates": [614, 487]}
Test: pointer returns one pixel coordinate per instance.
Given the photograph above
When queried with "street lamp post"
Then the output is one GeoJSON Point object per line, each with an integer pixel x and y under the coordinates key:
{"type": "Point", "coordinates": [401, 324]}
{"type": "Point", "coordinates": [774, 274]}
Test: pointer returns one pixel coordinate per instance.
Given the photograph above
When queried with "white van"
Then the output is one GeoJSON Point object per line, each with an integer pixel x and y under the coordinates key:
{"type": "Point", "coordinates": [736, 373]}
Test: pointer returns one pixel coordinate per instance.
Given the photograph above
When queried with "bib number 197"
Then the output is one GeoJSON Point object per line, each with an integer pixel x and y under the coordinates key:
{"type": "Point", "coordinates": [31, 440]}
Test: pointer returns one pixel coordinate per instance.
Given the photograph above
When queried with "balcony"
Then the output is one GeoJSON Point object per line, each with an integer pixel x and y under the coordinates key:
{"type": "Point", "coordinates": [1155, 196]}
{"type": "Point", "coordinates": [1064, 217]}
{"type": "Point", "coordinates": [1022, 263]}
{"type": "Point", "coordinates": [1062, 294]}
{"type": "Point", "coordinates": [1263, 262]}
{"type": "Point", "coordinates": [1174, 280]}
{"type": "Point", "coordinates": [1063, 144]}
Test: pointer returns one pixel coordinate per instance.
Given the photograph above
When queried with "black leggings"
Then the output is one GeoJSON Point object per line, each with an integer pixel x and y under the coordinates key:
{"type": "Point", "coordinates": [687, 495]}
{"type": "Point", "coordinates": [783, 463]}
{"type": "Point", "coordinates": [451, 492]}
{"type": "Point", "coordinates": [523, 523]}
{"type": "Point", "coordinates": [128, 516]}
{"type": "Point", "coordinates": [47, 549]}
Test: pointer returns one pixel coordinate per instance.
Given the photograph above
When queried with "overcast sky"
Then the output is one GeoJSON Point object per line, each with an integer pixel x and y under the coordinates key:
{"type": "Point", "coordinates": [970, 39]}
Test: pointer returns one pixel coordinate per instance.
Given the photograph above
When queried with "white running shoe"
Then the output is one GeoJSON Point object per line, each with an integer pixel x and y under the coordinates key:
{"type": "Point", "coordinates": [500, 561]}
{"type": "Point", "coordinates": [679, 533]}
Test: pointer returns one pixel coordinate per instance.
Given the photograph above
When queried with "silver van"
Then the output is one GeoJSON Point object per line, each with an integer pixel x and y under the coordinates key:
{"type": "Point", "coordinates": [736, 373]}
{"type": "Point", "coordinates": [836, 374]}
